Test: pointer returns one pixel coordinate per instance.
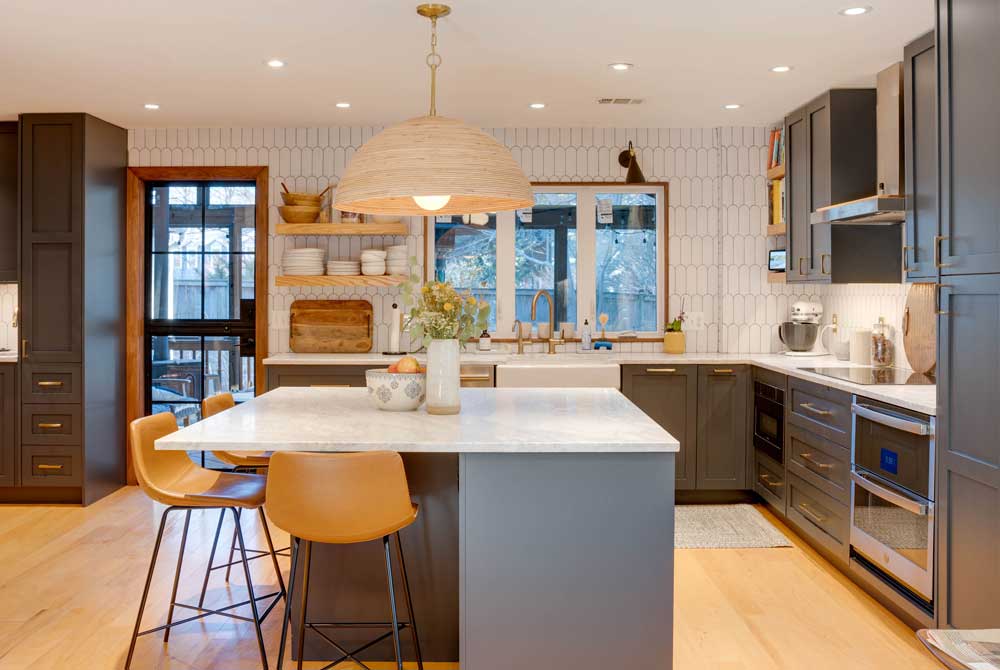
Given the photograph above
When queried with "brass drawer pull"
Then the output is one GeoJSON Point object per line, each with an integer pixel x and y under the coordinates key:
{"type": "Point", "coordinates": [938, 239]}
{"type": "Point", "coordinates": [768, 481]}
{"type": "Point", "coordinates": [48, 384]}
{"type": "Point", "coordinates": [24, 348]}
{"type": "Point", "coordinates": [723, 371]}
{"type": "Point", "coordinates": [49, 425]}
{"type": "Point", "coordinates": [47, 466]}
{"type": "Point", "coordinates": [822, 264]}
{"type": "Point", "coordinates": [801, 260]}
{"type": "Point", "coordinates": [808, 458]}
{"type": "Point", "coordinates": [474, 378]}
{"type": "Point", "coordinates": [813, 516]}
{"type": "Point", "coordinates": [815, 410]}
{"type": "Point", "coordinates": [661, 369]}
{"type": "Point", "coordinates": [906, 258]}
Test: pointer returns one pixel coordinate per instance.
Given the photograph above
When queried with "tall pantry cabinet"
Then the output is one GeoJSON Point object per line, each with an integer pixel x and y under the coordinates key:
{"type": "Point", "coordinates": [71, 445]}
{"type": "Point", "coordinates": [967, 264]}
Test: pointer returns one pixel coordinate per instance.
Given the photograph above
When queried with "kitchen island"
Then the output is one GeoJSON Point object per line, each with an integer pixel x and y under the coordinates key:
{"type": "Point", "coordinates": [546, 528]}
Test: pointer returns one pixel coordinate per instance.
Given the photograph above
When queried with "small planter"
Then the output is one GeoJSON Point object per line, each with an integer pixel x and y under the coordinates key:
{"type": "Point", "coordinates": [673, 343]}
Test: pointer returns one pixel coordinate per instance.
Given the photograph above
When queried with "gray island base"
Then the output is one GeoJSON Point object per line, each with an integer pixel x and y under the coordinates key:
{"type": "Point", "coordinates": [545, 534]}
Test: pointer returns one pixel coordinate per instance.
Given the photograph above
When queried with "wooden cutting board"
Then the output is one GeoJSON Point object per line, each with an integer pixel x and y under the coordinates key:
{"type": "Point", "coordinates": [920, 328]}
{"type": "Point", "coordinates": [331, 327]}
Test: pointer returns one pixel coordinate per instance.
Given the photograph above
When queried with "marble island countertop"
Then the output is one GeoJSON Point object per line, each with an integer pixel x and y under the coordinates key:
{"type": "Point", "coordinates": [554, 420]}
{"type": "Point", "coordinates": [917, 398]}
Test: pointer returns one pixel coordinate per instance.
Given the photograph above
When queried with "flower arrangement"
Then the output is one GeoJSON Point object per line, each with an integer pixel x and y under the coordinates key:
{"type": "Point", "coordinates": [677, 325]}
{"type": "Point", "coordinates": [439, 312]}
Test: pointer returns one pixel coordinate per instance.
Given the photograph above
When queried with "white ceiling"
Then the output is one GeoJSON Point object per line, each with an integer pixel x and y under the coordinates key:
{"type": "Point", "coordinates": [203, 60]}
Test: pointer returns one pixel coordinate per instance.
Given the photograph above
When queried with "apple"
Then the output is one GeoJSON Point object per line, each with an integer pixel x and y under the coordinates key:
{"type": "Point", "coordinates": [407, 365]}
{"type": "Point", "coordinates": [393, 368]}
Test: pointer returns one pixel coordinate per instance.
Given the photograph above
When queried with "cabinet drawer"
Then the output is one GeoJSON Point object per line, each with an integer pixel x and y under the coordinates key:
{"type": "Point", "coordinates": [769, 481]}
{"type": "Point", "coordinates": [821, 519]}
{"type": "Point", "coordinates": [51, 383]}
{"type": "Point", "coordinates": [476, 376]}
{"type": "Point", "coordinates": [824, 464]}
{"type": "Point", "coordinates": [820, 409]}
{"type": "Point", "coordinates": [51, 424]}
{"type": "Point", "coordinates": [51, 465]}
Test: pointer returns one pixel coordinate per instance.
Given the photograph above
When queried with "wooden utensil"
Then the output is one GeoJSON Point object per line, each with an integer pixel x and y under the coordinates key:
{"type": "Point", "coordinates": [331, 327]}
{"type": "Point", "coordinates": [920, 328]}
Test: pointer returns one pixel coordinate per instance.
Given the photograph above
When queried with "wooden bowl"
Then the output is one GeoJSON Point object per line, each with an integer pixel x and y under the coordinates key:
{"type": "Point", "coordinates": [299, 213]}
{"type": "Point", "coordinates": [302, 199]}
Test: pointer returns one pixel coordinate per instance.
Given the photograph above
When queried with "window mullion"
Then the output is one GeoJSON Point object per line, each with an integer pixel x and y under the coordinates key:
{"type": "Point", "coordinates": [506, 293]}
{"type": "Point", "coordinates": [586, 256]}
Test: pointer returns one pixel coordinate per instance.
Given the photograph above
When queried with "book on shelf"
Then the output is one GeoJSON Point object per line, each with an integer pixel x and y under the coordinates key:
{"type": "Point", "coordinates": [776, 148]}
{"type": "Point", "coordinates": [776, 193]}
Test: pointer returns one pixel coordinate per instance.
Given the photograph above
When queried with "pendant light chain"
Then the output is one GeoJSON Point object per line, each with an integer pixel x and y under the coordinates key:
{"type": "Point", "coordinates": [434, 62]}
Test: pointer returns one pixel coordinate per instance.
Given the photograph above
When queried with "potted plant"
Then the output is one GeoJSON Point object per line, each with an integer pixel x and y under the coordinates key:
{"type": "Point", "coordinates": [673, 338]}
{"type": "Point", "coordinates": [443, 319]}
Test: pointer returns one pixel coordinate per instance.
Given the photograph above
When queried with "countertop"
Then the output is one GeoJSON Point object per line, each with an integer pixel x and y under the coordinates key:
{"type": "Point", "coordinates": [917, 398]}
{"type": "Point", "coordinates": [556, 420]}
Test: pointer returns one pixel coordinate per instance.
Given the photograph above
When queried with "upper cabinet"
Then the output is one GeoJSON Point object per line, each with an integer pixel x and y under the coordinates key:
{"type": "Point", "coordinates": [921, 156]}
{"type": "Point", "coordinates": [831, 158]}
{"type": "Point", "coordinates": [8, 201]}
{"type": "Point", "coordinates": [969, 62]}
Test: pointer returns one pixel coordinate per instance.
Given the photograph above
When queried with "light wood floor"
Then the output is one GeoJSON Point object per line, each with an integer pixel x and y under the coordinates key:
{"type": "Point", "coordinates": [70, 581]}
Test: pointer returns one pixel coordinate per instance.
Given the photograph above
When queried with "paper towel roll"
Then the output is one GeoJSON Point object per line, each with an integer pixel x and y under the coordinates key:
{"type": "Point", "coordinates": [395, 326]}
{"type": "Point", "coordinates": [861, 347]}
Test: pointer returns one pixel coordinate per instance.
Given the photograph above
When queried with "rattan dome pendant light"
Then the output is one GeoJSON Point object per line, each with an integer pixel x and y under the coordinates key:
{"type": "Point", "coordinates": [433, 164]}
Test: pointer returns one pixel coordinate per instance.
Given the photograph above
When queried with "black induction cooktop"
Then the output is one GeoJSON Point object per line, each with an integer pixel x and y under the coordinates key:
{"type": "Point", "coordinates": [871, 376]}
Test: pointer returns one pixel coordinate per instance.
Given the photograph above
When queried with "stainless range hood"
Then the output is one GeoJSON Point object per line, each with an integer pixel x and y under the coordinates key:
{"type": "Point", "coordinates": [888, 207]}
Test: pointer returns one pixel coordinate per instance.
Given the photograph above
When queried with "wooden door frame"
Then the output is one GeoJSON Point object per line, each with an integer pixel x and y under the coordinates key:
{"type": "Point", "coordinates": [135, 271]}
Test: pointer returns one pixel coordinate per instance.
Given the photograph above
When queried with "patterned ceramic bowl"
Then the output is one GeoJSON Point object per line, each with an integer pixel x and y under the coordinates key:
{"type": "Point", "coordinates": [396, 391]}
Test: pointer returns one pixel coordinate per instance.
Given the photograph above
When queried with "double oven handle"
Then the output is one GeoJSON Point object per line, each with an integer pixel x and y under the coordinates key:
{"type": "Point", "coordinates": [918, 507]}
{"type": "Point", "coordinates": [891, 420]}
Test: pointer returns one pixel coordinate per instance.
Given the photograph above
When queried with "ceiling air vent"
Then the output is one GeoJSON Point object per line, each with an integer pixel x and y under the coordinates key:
{"type": "Point", "coordinates": [619, 101]}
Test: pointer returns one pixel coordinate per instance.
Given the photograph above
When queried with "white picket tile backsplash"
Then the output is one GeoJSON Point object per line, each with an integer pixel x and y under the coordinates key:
{"type": "Point", "coordinates": [8, 311]}
{"type": "Point", "coordinates": [717, 212]}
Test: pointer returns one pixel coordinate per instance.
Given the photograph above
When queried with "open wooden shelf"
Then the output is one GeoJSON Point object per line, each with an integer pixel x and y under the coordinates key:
{"type": "Point", "coordinates": [776, 277]}
{"type": "Point", "coordinates": [340, 280]}
{"type": "Point", "coordinates": [777, 172]}
{"type": "Point", "coordinates": [398, 228]}
{"type": "Point", "coordinates": [779, 229]}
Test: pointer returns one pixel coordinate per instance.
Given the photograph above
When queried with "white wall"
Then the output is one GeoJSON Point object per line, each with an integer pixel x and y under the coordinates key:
{"type": "Point", "coordinates": [8, 308]}
{"type": "Point", "coordinates": [718, 211]}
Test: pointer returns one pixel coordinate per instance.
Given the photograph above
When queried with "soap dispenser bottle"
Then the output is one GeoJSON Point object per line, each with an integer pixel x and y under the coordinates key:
{"type": "Point", "coordinates": [585, 337]}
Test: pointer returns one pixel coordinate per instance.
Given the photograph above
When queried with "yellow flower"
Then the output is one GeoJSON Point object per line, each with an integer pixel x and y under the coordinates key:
{"type": "Point", "coordinates": [425, 289]}
{"type": "Point", "coordinates": [448, 307]}
{"type": "Point", "coordinates": [472, 301]}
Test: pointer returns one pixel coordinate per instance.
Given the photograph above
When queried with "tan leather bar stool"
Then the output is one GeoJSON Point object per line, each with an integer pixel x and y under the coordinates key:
{"type": "Point", "coordinates": [342, 499]}
{"type": "Point", "coordinates": [249, 461]}
{"type": "Point", "coordinates": [171, 478]}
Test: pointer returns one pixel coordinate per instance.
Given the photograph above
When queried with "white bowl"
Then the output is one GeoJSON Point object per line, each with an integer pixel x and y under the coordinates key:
{"type": "Point", "coordinates": [373, 270]}
{"type": "Point", "coordinates": [396, 391]}
{"type": "Point", "coordinates": [374, 253]}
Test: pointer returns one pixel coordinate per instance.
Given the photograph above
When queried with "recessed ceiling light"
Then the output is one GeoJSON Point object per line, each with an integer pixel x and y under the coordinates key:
{"type": "Point", "coordinates": [537, 105]}
{"type": "Point", "coordinates": [621, 67]}
{"type": "Point", "coordinates": [732, 106]}
{"type": "Point", "coordinates": [781, 68]}
{"type": "Point", "coordinates": [276, 63]}
{"type": "Point", "coordinates": [855, 11]}
{"type": "Point", "coordinates": [151, 105]}
{"type": "Point", "coordinates": [343, 105]}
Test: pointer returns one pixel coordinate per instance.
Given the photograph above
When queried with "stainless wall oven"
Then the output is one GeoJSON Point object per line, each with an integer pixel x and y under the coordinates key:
{"type": "Point", "coordinates": [892, 497]}
{"type": "Point", "coordinates": [769, 419]}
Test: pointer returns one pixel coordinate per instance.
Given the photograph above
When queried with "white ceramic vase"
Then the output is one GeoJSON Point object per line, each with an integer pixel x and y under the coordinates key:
{"type": "Point", "coordinates": [443, 372]}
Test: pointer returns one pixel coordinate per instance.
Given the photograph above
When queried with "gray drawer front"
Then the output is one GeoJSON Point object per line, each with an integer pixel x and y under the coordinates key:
{"type": "Point", "coordinates": [822, 463]}
{"type": "Point", "coordinates": [317, 375]}
{"type": "Point", "coordinates": [51, 424]}
{"type": "Point", "coordinates": [820, 519]}
{"type": "Point", "coordinates": [51, 465]}
{"type": "Point", "coordinates": [769, 481]}
{"type": "Point", "coordinates": [51, 383]}
{"type": "Point", "coordinates": [819, 409]}
{"type": "Point", "coordinates": [770, 377]}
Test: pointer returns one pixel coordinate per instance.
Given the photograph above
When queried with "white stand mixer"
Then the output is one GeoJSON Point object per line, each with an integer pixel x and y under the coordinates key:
{"type": "Point", "coordinates": [802, 334]}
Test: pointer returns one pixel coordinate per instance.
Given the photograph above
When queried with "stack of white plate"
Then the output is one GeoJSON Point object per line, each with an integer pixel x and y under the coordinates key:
{"type": "Point", "coordinates": [373, 262]}
{"type": "Point", "coordinates": [334, 267]}
{"type": "Point", "coordinates": [396, 260]}
{"type": "Point", "coordinates": [304, 261]}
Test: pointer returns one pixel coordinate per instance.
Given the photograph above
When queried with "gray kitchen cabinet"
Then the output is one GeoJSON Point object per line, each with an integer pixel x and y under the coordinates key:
{"type": "Point", "coordinates": [8, 424]}
{"type": "Point", "coordinates": [822, 520]}
{"type": "Point", "coordinates": [669, 395]}
{"type": "Point", "coordinates": [769, 481]}
{"type": "Point", "coordinates": [820, 462]}
{"type": "Point", "coordinates": [316, 375]}
{"type": "Point", "coordinates": [968, 453]}
{"type": "Point", "coordinates": [819, 409]}
{"type": "Point", "coordinates": [969, 61]}
{"type": "Point", "coordinates": [723, 427]}
{"type": "Point", "coordinates": [921, 156]}
{"type": "Point", "coordinates": [830, 158]}
{"type": "Point", "coordinates": [8, 201]}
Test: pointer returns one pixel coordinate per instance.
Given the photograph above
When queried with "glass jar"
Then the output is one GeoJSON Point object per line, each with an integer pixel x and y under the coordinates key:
{"type": "Point", "coordinates": [883, 353]}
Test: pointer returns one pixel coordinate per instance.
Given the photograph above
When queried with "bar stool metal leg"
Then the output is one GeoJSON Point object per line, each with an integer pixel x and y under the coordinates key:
{"type": "Point", "coordinates": [270, 547]}
{"type": "Point", "coordinates": [232, 547]}
{"type": "Point", "coordinates": [145, 589]}
{"type": "Point", "coordinates": [177, 576]}
{"type": "Point", "coordinates": [392, 604]}
{"type": "Point", "coordinates": [409, 603]}
{"type": "Point", "coordinates": [286, 617]}
{"type": "Point", "coordinates": [211, 558]}
{"type": "Point", "coordinates": [307, 561]}
{"type": "Point", "coordinates": [253, 599]}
